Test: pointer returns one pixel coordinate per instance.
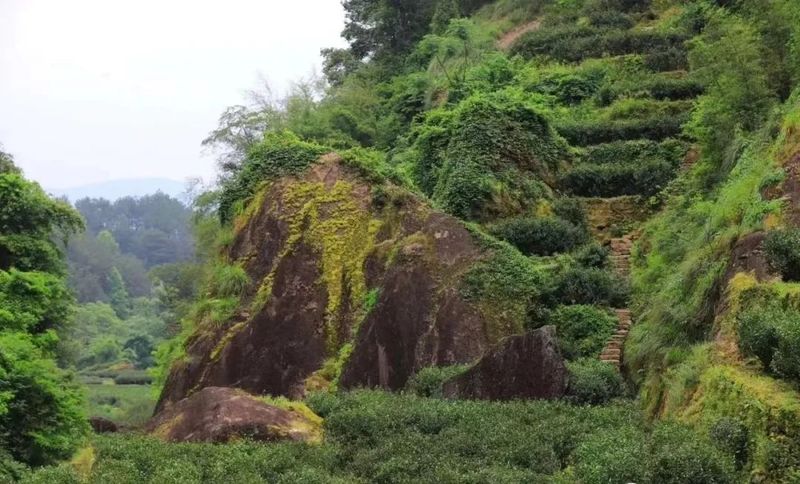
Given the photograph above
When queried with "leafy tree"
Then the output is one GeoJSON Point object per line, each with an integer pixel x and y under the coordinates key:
{"type": "Point", "coordinates": [41, 417]}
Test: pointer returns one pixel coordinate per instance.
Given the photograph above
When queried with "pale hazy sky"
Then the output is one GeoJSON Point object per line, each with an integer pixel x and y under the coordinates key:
{"type": "Point", "coordinates": [94, 90]}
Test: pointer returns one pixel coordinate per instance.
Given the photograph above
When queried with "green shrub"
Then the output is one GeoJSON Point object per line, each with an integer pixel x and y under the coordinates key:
{"type": "Point", "coordinates": [634, 152]}
{"type": "Point", "coordinates": [571, 210]}
{"type": "Point", "coordinates": [41, 408]}
{"type": "Point", "coordinates": [593, 382]}
{"type": "Point", "coordinates": [583, 133]}
{"type": "Point", "coordinates": [611, 180]}
{"type": "Point", "coordinates": [732, 436]}
{"type": "Point", "coordinates": [786, 361]}
{"type": "Point", "coordinates": [593, 255]}
{"type": "Point", "coordinates": [582, 330]}
{"type": "Point", "coordinates": [590, 285]}
{"type": "Point", "coordinates": [758, 333]}
{"type": "Point", "coordinates": [487, 157]}
{"type": "Point", "coordinates": [539, 236]}
{"type": "Point", "coordinates": [133, 377]}
{"type": "Point", "coordinates": [782, 248]}
{"type": "Point", "coordinates": [671, 59]}
{"type": "Point", "coordinates": [569, 87]}
{"type": "Point", "coordinates": [660, 88]}
{"type": "Point", "coordinates": [428, 381]}
{"type": "Point", "coordinates": [576, 43]}
{"type": "Point", "coordinates": [279, 154]}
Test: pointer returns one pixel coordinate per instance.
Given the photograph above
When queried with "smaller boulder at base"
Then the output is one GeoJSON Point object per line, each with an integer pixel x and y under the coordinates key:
{"type": "Point", "coordinates": [217, 414]}
{"type": "Point", "coordinates": [527, 366]}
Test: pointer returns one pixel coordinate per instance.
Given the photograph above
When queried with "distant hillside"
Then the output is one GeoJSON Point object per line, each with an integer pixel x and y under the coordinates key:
{"type": "Point", "coordinates": [115, 189]}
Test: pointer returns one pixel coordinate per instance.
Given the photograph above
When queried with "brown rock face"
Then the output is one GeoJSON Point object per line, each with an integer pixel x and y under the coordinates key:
{"type": "Point", "coordinates": [102, 425]}
{"type": "Point", "coordinates": [340, 278]}
{"type": "Point", "coordinates": [221, 414]}
{"type": "Point", "coordinates": [527, 366]}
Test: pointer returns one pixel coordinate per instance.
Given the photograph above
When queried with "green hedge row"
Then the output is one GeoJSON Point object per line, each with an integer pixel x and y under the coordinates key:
{"type": "Point", "coordinates": [584, 133]}
{"type": "Point", "coordinates": [656, 88]}
{"type": "Point", "coordinates": [634, 151]}
{"type": "Point", "coordinates": [574, 44]}
{"type": "Point", "coordinates": [613, 180]}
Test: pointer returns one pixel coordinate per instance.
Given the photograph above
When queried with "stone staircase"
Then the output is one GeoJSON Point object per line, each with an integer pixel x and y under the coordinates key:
{"type": "Point", "coordinates": [620, 259]}
{"type": "Point", "coordinates": [612, 352]}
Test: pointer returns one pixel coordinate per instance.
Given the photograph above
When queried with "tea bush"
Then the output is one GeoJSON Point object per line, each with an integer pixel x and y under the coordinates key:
{"type": "Point", "coordinates": [590, 285]}
{"type": "Point", "coordinates": [539, 236]}
{"type": "Point", "coordinates": [428, 381]}
{"type": "Point", "coordinates": [782, 248]}
{"type": "Point", "coordinates": [593, 382]}
{"type": "Point", "coordinates": [583, 133]}
{"type": "Point", "coordinates": [612, 180]}
{"type": "Point", "coordinates": [582, 330]}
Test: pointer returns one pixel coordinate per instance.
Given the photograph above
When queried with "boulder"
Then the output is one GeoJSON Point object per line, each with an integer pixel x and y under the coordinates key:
{"type": "Point", "coordinates": [216, 414]}
{"type": "Point", "coordinates": [102, 425]}
{"type": "Point", "coordinates": [317, 247]}
{"type": "Point", "coordinates": [527, 366]}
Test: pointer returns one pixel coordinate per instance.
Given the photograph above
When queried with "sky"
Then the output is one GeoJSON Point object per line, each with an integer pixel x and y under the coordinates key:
{"type": "Point", "coordinates": [95, 90]}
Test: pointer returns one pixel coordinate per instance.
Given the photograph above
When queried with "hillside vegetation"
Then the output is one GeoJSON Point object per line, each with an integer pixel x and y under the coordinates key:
{"type": "Point", "coordinates": [586, 160]}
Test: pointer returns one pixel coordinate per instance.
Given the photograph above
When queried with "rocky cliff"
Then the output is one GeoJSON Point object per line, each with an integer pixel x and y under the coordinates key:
{"type": "Point", "coordinates": [354, 283]}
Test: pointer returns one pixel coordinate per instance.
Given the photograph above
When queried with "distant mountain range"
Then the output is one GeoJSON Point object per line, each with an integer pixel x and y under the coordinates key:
{"type": "Point", "coordinates": [115, 189]}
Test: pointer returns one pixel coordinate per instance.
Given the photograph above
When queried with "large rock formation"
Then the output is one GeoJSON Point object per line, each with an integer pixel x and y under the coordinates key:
{"type": "Point", "coordinates": [216, 414]}
{"type": "Point", "coordinates": [527, 366]}
{"type": "Point", "coordinates": [352, 281]}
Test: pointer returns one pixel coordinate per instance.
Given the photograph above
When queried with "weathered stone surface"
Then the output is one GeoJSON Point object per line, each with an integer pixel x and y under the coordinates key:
{"type": "Point", "coordinates": [527, 366]}
{"type": "Point", "coordinates": [314, 246]}
{"type": "Point", "coordinates": [102, 425]}
{"type": "Point", "coordinates": [216, 414]}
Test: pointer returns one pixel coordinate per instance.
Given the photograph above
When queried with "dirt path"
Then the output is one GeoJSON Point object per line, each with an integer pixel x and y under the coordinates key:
{"type": "Point", "coordinates": [508, 39]}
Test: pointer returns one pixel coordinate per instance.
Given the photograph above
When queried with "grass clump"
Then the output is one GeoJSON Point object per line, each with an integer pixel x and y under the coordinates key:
{"type": "Point", "coordinates": [428, 381]}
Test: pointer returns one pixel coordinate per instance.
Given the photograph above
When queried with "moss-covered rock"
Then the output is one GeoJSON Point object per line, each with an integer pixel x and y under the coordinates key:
{"type": "Point", "coordinates": [353, 281]}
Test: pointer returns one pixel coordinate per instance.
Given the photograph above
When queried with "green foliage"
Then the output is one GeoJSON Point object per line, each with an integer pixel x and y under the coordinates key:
{"type": "Point", "coordinates": [582, 330]}
{"type": "Point", "coordinates": [727, 57]}
{"type": "Point", "coordinates": [782, 248]}
{"type": "Point", "coordinates": [41, 408]}
{"type": "Point", "coordinates": [573, 43]}
{"type": "Point", "coordinates": [279, 154]}
{"type": "Point", "coordinates": [634, 152]}
{"type": "Point", "coordinates": [683, 457]}
{"type": "Point", "coordinates": [611, 180]}
{"type": "Point", "coordinates": [583, 133]}
{"type": "Point", "coordinates": [487, 156]}
{"type": "Point", "coordinates": [428, 381]}
{"type": "Point", "coordinates": [590, 285]}
{"type": "Point", "coordinates": [593, 255]}
{"type": "Point", "coordinates": [507, 286]}
{"type": "Point", "coordinates": [758, 333]}
{"type": "Point", "coordinates": [120, 300]}
{"type": "Point", "coordinates": [732, 436]}
{"type": "Point", "coordinates": [539, 236]}
{"type": "Point", "coordinates": [227, 281]}
{"type": "Point", "coordinates": [593, 382]}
